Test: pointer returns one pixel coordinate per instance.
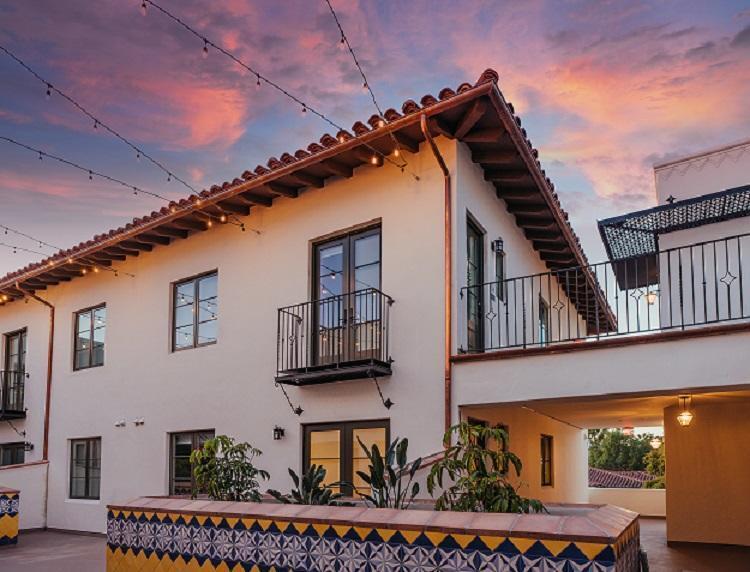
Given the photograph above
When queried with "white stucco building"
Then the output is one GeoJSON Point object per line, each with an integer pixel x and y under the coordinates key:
{"type": "Point", "coordinates": [363, 300]}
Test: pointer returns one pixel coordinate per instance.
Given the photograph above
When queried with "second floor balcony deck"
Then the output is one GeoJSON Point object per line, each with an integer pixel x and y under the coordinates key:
{"type": "Point", "coordinates": [687, 287]}
{"type": "Point", "coordinates": [11, 395]}
{"type": "Point", "coordinates": [335, 338]}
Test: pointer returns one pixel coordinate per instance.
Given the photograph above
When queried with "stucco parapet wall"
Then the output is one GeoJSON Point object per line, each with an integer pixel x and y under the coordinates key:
{"type": "Point", "coordinates": [602, 524]}
{"type": "Point", "coordinates": [605, 343]}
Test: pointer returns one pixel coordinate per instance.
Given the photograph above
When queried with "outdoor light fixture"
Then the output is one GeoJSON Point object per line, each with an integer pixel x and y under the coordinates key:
{"type": "Point", "coordinates": [498, 246]}
{"type": "Point", "coordinates": [655, 443]}
{"type": "Point", "coordinates": [278, 433]}
{"type": "Point", "coordinates": [685, 416]}
{"type": "Point", "coordinates": [651, 297]}
{"type": "Point", "coordinates": [28, 446]}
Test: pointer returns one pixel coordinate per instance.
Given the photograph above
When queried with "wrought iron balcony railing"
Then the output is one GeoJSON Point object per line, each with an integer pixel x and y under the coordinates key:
{"type": "Point", "coordinates": [684, 287]}
{"type": "Point", "coordinates": [11, 394]}
{"type": "Point", "coordinates": [335, 338]}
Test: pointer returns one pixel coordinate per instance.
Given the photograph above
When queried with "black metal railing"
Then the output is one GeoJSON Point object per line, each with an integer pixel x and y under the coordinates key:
{"type": "Point", "coordinates": [684, 287]}
{"type": "Point", "coordinates": [11, 394]}
{"type": "Point", "coordinates": [335, 331]}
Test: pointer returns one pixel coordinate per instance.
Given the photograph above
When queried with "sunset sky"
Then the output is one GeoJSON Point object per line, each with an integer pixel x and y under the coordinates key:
{"type": "Point", "coordinates": [605, 89]}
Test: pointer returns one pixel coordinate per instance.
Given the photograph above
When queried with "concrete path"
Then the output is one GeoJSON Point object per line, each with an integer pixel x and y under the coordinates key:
{"type": "Point", "coordinates": [54, 552]}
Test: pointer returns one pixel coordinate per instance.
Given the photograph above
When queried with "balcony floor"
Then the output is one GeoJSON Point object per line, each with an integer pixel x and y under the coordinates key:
{"type": "Point", "coordinates": [361, 369]}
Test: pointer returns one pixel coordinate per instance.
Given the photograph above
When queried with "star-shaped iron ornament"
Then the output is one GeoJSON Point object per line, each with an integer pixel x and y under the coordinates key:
{"type": "Point", "coordinates": [491, 315]}
{"type": "Point", "coordinates": [558, 306]}
{"type": "Point", "coordinates": [728, 278]}
{"type": "Point", "coordinates": [637, 294]}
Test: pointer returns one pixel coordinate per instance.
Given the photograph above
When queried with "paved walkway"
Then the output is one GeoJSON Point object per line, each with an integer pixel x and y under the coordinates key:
{"type": "Point", "coordinates": [60, 552]}
{"type": "Point", "coordinates": [54, 552]}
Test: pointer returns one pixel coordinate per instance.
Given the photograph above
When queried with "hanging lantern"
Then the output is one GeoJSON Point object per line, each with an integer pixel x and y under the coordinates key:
{"type": "Point", "coordinates": [685, 417]}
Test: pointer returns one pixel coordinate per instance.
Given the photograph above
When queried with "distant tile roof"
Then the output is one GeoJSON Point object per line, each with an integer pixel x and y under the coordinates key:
{"type": "Point", "coordinates": [606, 479]}
{"type": "Point", "coordinates": [637, 233]}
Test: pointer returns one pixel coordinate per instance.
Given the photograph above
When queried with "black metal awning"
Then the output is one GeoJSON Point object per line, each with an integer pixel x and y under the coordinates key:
{"type": "Point", "coordinates": [637, 233]}
{"type": "Point", "coordinates": [632, 240]}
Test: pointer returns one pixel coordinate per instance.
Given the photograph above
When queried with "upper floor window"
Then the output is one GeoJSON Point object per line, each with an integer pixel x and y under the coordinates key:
{"type": "Point", "coordinates": [475, 287]}
{"type": "Point", "coordinates": [15, 351]}
{"type": "Point", "coordinates": [89, 337]}
{"type": "Point", "coordinates": [195, 311]}
{"type": "Point", "coordinates": [85, 468]}
{"type": "Point", "coordinates": [12, 454]}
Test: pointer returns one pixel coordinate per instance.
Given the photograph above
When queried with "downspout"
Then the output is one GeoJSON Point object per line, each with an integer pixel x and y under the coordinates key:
{"type": "Point", "coordinates": [448, 282]}
{"type": "Point", "coordinates": [48, 395]}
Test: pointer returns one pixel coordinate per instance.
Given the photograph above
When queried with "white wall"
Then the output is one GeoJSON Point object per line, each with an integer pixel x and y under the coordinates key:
{"type": "Point", "coordinates": [478, 198]}
{"type": "Point", "coordinates": [30, 479]}
{"type": "Point", "coordinates": [646, 502]}
{"type": "Point", "coordinates": [709, 173]}
{"type": "Point", "coordinates": [229, 386]}
{"type": "Point", "coordinates": [694, 363]}
{"type": "Point", "coordinates": [569, 456]}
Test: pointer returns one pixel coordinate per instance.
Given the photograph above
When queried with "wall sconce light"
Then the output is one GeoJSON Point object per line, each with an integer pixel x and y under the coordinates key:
{"type": "Point", "coordinates": [28, 446]}
{"type": "Point", "coordinates": [498, 246]}
{"type": "Point", "coordinates": [120, 423]}
{"type": "Point", "coordinates": [278, 433]}
{"type": "Point", "coordinates": [139, 421]}
{"type": "Point", "coordinates": [651, 297]}
{"type": "Point", "coordinates": [685, 416]}
{"type": "Point", "coordinates": [655, 443]}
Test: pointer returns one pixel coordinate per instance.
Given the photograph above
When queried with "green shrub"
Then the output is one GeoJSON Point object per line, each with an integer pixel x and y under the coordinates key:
{"type": "Point", "coordinates": [309, 489]}
{"type": "Point", "coordinates": [390, 477]}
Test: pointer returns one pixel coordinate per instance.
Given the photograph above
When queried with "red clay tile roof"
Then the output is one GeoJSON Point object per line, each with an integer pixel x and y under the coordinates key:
{"type": "Point", "coordinates": [606, 479]}
{"type": "Point", "coordinates": [316, 154]}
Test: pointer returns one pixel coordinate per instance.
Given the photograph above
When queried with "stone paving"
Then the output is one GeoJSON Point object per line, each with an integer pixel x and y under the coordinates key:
{"type": "Point", "coordinates": [61, 552]}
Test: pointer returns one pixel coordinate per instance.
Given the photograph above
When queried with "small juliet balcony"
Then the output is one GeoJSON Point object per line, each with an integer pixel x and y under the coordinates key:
{"type": "Point", "coordinates": [11, 395]}
{"type": "Point", "coordinates": [337, 338]}
{"type": "Point", "coordinates": [689, 287]}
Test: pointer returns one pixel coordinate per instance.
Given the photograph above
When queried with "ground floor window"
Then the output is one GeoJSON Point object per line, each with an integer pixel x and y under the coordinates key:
{"type": "Point", "coordinates": [181, 480]}
{"type": "Point", "coordinates": [11, 454]}
{"type": "Point", "coordinates": [546, 450]}
{"type": "Point", "coordinates": [85, 468]}
{"type": "Point", "coordinates": [336, 447]}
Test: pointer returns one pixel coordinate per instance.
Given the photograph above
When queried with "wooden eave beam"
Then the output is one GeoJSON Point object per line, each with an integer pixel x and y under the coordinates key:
{"type": "Point", "coordinates": [406, 142]}
{"type": "Point", "coordinates": [154, 238]}
{"type": "Point", "coordinates": [542, 246]}
{"type": "Point", "coordinates": [506, 175]}
{"type": "Point", "coordinates": [487, 135]}
{"type": "Point", "coordinates": [529, 209]}
{"type": "Point", "coordinates": [337, 168]}
{"type": "Point", "coordinates": [475, 112]}
{"type": "Point", "coordinates": [440, 127]}
{"type": "Point", "coordinates": [283, 190]}
{"type": "Point", "coordinates": [120, 250]}
{"type": "Point", "coordinates": [135, 244]}
{"type": "Point", "coordinates": [495, 157]}
{"type": "Point", "coordinates": [307, 179]}
{"type": "Point", "coordinates": [234, 207]}
{"type": "Point", "coordinates": [106, 258]}
{"type": "Point", "coordinates": [190, 224]}
{"type": "Point", "coordinates": [544, 236]}
{"type": "Point", "coordinates": [536, 223]}
{"type": "Point", "coordinates": [520, 194]}
{"type": "Point", "coordinates": [169, 231]}
{"type": "Point", "coordinates": [255, 199]}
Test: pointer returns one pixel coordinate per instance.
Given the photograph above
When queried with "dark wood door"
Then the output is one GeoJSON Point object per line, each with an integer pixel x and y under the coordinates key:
{"type": "Point", "coordinates": [346, 288]}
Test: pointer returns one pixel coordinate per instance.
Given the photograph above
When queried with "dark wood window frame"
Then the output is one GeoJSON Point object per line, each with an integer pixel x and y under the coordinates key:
{"type": "Point", "coordinates": [475, 339]}
{"type": "Point", "coordinates": [76, 317]}
{"type": "Point", "coordinates": [544, 322]}
{"type": "Point", "coordinates": [196, 315]}
{"type": "Point", "coordinates": [194, 445]}
{"type": "Point", "coordinates": [547, 447]}
{"type": "Point", "coordinates": [88, 479]}
{"type": "Point", "coordinates": [7, 337]}
{"type": "Point", "coordinates": [346, 445]}
{"type": "Point", "coordinates": [13, 449]}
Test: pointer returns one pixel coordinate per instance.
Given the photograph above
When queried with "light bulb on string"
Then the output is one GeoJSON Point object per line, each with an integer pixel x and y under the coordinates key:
{"type": "Point", "coordinates": [342, 42]}
{"type": "Point", "coordinates": [49, 90]}
{"type": "Point", "coordinates": [381, 122]}
{"type": "Point", "coordinates": [205, 48]}
{"type": "Point", "coordinates": [138, 156]}
{"type": "Point", "coordinates": [209, 223]}
{"type": "Point", "coordinates": [40, 155]}
{"type": "Point", "coordinates": [304, 110]}
{"type": "Point", "coordinates": [91, 176]}
{"type": "Point", "coordinates": [223, 218]}
{"type": "Point", "coordinates": [374, 160]}
{"type": "Point", "coordinates": [365, 87]}
{"type": "Point", "coordinates": [396, 152]}
{"type": "Point", "coordinates": [257, 81]}
{"type": "Point", "coordinates": [96, 123]}
{"type": "Point", "coordinates": [135, 191]}
{"type": "Point", "coordinates": [143, 7]}
{"type": "Point", "coordinates": [169, 177]}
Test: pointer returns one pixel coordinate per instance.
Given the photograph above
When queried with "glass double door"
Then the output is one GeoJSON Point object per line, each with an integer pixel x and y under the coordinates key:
{"type": "Point", "coordinates": [11, 382]}
{"type": "Point", "coordinates": [347, 298]}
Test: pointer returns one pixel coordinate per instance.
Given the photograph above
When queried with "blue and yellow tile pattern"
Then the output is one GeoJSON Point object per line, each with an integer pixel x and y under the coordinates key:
{"type": "Point", "coordinates": [160, 541]}
{"type": "Point", "coordinates": [9, 503]}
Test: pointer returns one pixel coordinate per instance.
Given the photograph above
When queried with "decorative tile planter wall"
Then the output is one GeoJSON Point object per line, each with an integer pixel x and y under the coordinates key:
{"type": "Point", "coordinates": [171, 534]}
{"type": "Point", "coordinates": [9, 501]}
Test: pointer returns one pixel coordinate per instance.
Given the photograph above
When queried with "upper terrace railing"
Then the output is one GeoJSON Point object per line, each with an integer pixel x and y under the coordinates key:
{"type": "Point", "coordinates": [334, 338]}
{"type": "Point", "coordinates": [11, 394]}
{"type": "Point", "coordinates": [685, 287]}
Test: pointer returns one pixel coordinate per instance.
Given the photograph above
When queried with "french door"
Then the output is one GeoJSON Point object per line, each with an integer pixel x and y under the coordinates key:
{"type": "Point", "coordinates": [475, 289]}
{"type": "Point", "coordinates": [11, 383]}
{"type": "Point", "coordinates": [347, 300]}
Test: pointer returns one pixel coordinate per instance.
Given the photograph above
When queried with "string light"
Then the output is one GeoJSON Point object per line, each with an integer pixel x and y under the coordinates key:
{"type": "Point", "coordinates": [259, 77]}
{"type": "Point", "coordinates": [205, 48]}
{"type": "Point", "coordinates": [143, 8]}
{"type": "Point", "coordinates": [344, 43]}
{"type": "Point", "coordinates": [98, 122]}
{"type": "Point", "coordinates": [92, 172]}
